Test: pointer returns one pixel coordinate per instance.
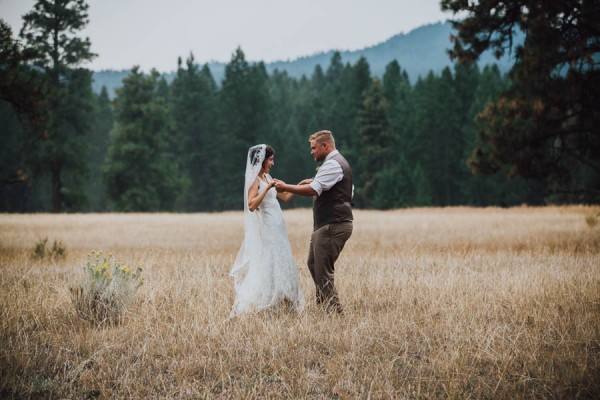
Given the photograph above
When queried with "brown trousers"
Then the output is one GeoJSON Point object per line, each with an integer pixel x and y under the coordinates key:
{"type": "Point", "coordinates": [326, 243]}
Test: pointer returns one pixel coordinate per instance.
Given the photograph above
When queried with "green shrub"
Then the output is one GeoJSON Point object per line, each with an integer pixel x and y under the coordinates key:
{"type": "Point", "coordinates": [107, 290]}
{"type": "Point", "coordinates": [57, 252]}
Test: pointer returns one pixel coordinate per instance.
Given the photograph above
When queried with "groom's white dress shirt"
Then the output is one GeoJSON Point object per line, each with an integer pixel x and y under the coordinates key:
{"type": "Point", "coordinates": [328, 175]}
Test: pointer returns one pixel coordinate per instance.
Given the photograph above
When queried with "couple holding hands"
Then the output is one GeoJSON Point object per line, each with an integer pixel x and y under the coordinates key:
{"type": "Point", "coordinates": [265, 273]}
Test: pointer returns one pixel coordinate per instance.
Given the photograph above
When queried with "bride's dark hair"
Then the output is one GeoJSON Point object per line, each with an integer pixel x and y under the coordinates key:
{"type": "Point", "coordinates": [269, 151]}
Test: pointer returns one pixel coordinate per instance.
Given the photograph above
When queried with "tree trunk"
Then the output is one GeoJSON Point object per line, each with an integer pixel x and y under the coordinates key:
{"type": "Point", "coordinates": [56, 190]}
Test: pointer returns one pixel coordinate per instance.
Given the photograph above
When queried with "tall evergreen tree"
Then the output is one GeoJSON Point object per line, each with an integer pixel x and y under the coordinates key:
{"type": "Point", "coordinates": [194, 98]}
{"type": "Point", "coordinates": [423, 126]}
{"type": "Point", "coordinates": [336, 102]}
{"type": "Point", "coordinates": [343, 93]}
{"type": "Point", "coordinates": [21, 86]}
{"type": "Point", "coordinates": [397, 90]}
{"type": "Point", "coordinates": [487, 189]}
{"type": "Point", "coordinates": [423, 191]}
{"type": "Point", "coordinates": [68, 158]}
{"type": "Point", "coordinates": [544, 127]}
{"type": "Point", "coordinates": [50, 34]}
{"type": "Point", "coordinates": [98, 140]}
{"type": "Point", "coordinates": [286, 136]}
{"type": "Point", "coordinates": [244, 107]}
{"type": "Point", "coordinates": [375, 148]}
{"type": "Point", "coordinates": [308, 116]}
{"type": "Point", "coordinates": [282, 89]}
{"type": "Point", "coordinates": [358, 82]}
{"type": "Point", "coordinates": [141, 174]}
{"type": "Point", "coordinates": [22, 105]}
{"type": "Point", "coordinates": [15, 176]}
{"type": "Point", "coordinates": [448, 148]}
{"type": "Point", "coordinates": [313, 99]}
{"type": "Point", "coordinates": [437, 133]}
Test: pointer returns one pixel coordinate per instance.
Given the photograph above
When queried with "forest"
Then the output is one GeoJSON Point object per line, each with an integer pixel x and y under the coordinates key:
{"type": "Point", "coordinates": [467, 136]}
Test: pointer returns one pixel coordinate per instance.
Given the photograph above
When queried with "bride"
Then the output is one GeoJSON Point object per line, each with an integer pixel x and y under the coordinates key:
{"type": "Point", "coordinates": [265, 273]}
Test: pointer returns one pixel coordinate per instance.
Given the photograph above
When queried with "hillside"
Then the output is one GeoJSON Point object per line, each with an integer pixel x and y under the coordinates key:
{"type": "Point", "coordinates": [422, 50]}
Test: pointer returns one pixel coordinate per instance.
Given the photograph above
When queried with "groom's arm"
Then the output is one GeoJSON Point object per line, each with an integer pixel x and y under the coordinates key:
{"type": "Point", "coordinates": [300, 190]}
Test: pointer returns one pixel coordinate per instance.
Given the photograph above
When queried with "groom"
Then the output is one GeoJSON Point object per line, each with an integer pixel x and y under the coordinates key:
{"type": "Point", "coordinates": [332, 214]}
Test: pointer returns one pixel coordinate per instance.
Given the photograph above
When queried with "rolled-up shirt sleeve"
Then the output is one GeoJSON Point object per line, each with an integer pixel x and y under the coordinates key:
{"type": "Point", "coordinates": [329, 174]}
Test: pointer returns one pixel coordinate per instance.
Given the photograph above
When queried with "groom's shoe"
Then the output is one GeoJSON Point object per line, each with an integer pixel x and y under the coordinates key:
{"type": "Point", "coordinates": [336, 309]}
{"type": "Point", "coordinates": [332, 306]}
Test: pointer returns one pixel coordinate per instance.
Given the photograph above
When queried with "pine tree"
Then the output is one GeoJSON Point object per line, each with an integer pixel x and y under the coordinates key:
{"type": "Point", "coordinates": [448, 145]}
{"type": "Point", "coordinates": [245, 120]}
{"type": "Point", "coordinates": [423, 126]}
{"type": "Point", "coordinates": [49, 32]}
{"type": "Point", "coordinates": [397, 91]}
{"type": "Point", "coordinates": [437, 136]}
{"type": "Point", "coordinates": [423, 192]}
{"type": "Point", "coordinates": [68, 154]}
{"type": "Point", "coordinates": [342, 95]}
{"type": "Point", "coordinates": [13, 183]}
{"type": "Point", "coordinates": [22, 105]}
{"type": "Point", "coordinates": [98, 140]}
{"type": "Point", "coordinates": [492, 189]}
{"type": "Point", "coordinates": [375, 146]}
{"type": "Point", "coordinates": [21, 86]}
{"type": "Point", "coordinates": [287, 137]}
{"type": "Point", "coordinates": [358, 82]}
{"type": "Point", "coordinates": [194, 107]}
{"type": "Point", "coordinates": [313, 110]}
{"type": "Point", "coordinates": [336, 102]}
{"type": "Point", "coordinates": [544, 127]}
{"type": "Point", "coordinates": [141, 173]}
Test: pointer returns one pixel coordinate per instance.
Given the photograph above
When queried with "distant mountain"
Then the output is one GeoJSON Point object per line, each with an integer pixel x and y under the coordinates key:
{"type": "Point", "coordinates": [420, 51]}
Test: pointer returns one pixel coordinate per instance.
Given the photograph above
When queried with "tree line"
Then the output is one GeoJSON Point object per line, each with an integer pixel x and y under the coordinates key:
{"type": "Point", "coordinates": [181, 146]}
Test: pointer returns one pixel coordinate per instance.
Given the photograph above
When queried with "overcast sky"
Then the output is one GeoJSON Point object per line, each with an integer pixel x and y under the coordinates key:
{"type": "Point", "coordinates": [153, 33]}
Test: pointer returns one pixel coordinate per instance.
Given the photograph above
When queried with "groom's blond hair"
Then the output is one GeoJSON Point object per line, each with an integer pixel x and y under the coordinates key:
{"type": "Point", "coordinates": [322, 137]}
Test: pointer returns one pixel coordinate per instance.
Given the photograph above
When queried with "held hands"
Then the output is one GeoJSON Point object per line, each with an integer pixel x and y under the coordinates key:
{"type": "Point", "coordinates": [279, 185]}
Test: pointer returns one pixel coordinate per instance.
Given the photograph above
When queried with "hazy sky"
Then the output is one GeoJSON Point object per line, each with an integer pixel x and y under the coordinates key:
{"type": "Point", "coordinates": [153, 33]}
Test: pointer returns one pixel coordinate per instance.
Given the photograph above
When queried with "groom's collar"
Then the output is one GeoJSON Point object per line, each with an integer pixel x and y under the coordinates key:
{"type": "Point", "coordinates": [333, 153]}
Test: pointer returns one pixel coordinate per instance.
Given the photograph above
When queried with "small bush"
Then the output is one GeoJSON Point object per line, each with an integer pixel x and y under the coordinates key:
{"type": "Point", "coordinates": [39, 250]}
{"type": "Point", "coordinates": [108, 289]}
{"type": "Point", "coordinates": [57, 252]}
{"type": "Point", "coordinates": [591, 220]}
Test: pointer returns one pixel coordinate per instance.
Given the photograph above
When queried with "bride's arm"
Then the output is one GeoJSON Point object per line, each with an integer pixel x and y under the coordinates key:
{"type": "Point", "coordinates": [285, 196]}
{"type": "Point", "coordinates": [255, 198]}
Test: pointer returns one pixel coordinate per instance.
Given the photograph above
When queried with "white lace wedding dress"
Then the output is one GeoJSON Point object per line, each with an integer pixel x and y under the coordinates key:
{"type": "Point", "coordinates": [265, 272]}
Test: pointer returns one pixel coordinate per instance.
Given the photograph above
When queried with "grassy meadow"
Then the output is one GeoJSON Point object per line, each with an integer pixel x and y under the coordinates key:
{"type": "Point", "coordinates": [462, 303]}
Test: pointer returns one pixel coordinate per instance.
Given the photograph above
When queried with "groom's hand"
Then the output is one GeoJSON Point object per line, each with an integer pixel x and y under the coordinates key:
{"type": "Point", "coordinates": [305, 181]}
{"type": "Point", "coordinates": [279, 185]}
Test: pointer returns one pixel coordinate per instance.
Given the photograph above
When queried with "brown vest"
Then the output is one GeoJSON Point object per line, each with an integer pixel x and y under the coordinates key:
{"type": "Point", "coordinates": [335, 204]}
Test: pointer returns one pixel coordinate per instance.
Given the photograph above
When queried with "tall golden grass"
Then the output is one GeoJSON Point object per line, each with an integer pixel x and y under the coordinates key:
{"type": "Point", "coordinates": [440, 303]}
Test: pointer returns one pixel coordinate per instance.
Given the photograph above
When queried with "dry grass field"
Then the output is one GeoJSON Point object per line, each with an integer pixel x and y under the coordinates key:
{"type": "Point", "coordinates": [440, 303]}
